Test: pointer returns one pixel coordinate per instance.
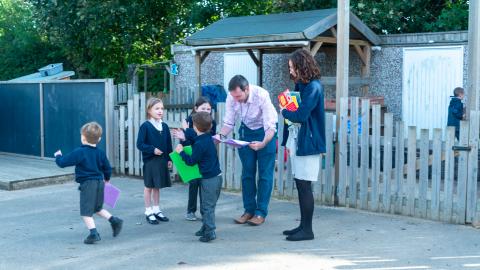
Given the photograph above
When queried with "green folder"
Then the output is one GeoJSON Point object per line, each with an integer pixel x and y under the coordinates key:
{"type": "Point", "coordinates": [187, 173]}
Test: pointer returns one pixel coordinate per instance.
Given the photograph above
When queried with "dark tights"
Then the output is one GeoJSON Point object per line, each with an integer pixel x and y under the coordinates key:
{"type": "Point", "coordinates": [305, 199]}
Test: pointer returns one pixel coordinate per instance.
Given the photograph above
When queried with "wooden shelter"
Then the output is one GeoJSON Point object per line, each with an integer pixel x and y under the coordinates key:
{"type": "Point", "coordinates": [283, 33]}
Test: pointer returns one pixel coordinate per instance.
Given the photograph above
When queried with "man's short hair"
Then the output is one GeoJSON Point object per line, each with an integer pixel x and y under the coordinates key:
{"type": "Point", "coordinates": [238, 81]}
{"type": "Point", "coordinates": [202, 121]}
{"type": "Point", "coordinates": [457, 91]}
{"type": "Point", "coordinates": [92, 132]}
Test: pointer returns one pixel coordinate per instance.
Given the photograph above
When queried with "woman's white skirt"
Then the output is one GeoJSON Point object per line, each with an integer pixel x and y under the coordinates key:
{"type": "Point", "coordinates": [303, 167]}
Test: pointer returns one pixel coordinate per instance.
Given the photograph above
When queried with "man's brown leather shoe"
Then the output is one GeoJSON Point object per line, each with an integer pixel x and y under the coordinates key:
{"type": "Point", "coordinates": [256, 220]}
{"type": "Point", "coordinates": [243, 219]}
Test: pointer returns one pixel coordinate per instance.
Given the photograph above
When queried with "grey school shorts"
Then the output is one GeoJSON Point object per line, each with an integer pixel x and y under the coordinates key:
{"type": "Point", "coordinates": [91, 197]}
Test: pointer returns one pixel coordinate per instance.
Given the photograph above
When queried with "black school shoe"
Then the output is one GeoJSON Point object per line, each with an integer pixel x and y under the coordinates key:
{"type": "Point", "coordinates": [92, 238]}
{"type": "Point", "coordinates": [208, 237]}
{"type": "Point", "coordinates": [160, 217]}
{"type": "Point", "coordinates": [151, 221]}
{"type": "Point", "coordinates": [300, 236]}
{"type": "Point", "coordinates": [116, 224]}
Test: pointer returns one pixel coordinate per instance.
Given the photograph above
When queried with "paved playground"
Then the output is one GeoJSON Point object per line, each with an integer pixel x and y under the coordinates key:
{"type": "Point", "coordinates": [41, 229]}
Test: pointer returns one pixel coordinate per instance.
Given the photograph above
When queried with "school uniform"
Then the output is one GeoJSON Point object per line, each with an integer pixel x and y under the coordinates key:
{"type": "Point", "coordinates": [455, 114]}
{"type": "Point", "coordinates": [204, 153]}
{"type": "Point", "coordinates": [155, 134]}
{"type": "Point", "coordinates": [91, 168]}
{"type": "Point", "coordinates": [194, 185]}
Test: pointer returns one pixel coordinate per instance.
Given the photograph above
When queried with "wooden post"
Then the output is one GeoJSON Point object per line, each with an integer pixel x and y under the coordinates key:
{"type": "Point", "coordinates": [343, 35]}
{"type": "Point", "coordinates": [365, 70]}
{"type": "Point", "coordinates": [145, 79]}
{"type": "Point", "coordinates": [260, 68]}
{"type": "Point", "coordinates": [473, 83]}
{"type": "Point", "coordinates": [198, 72]}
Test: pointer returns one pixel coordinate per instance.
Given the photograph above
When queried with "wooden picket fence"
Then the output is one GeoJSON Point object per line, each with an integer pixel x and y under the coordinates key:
{"type": "Point", "coordinates": [381, 167]}
{"type": "Point", "coordinates": [178, 97]}
{"type": "Point", "coordinates": [128, 117]}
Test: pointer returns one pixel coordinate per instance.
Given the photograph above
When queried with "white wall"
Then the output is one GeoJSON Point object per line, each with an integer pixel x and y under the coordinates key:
{"type": "Point", "coordinates": [239, 63]}
{"type": "Point", "coordinates": [429, 76]}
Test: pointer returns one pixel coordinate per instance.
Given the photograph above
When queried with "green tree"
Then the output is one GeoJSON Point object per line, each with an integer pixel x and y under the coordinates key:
{"type": "Point", "coordinates": [23, 47]}
{"type": "Point", "coordinates": [100, 38]}
{"type": "Point", "coordinates": [395, 16]}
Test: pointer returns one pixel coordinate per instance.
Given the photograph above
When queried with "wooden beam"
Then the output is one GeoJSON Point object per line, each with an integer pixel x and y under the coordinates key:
{"type": "Point", "coordinates": [254, 58]}
{"type": "Point", "coordinates": [334, 32]}
{"type": "Point", "coordinates": [315, 48]}
{"type": "Point", "coordinates": [473, 81]}
{"type": "Point", "coordinates": [260, 68]}
{"type": "Point", "coordinates": [333, 40]}
{"type": "Point", "coordinates": [204, 55]}
{"type": "Point", "coordinates": [342, 39]}
{"type": "Point", "coordinates": [360, 53]}
{"type": "Point", "coordinates": [365, 69]}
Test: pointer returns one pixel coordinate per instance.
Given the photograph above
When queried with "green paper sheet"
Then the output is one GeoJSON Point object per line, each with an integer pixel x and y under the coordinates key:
{"type": "Point", "coordinates": [187, 173]}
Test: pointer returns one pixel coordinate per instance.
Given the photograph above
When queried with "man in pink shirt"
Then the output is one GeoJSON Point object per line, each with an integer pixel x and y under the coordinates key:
{"type": "Point", "coordinates": [251, 105]}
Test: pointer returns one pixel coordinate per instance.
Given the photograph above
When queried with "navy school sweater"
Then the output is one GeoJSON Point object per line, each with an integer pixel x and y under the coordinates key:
{"type": "Point", "coordinates": [150, 138]}
{"type": "Point", "coordinates": [204, 154]}
{"type": "Point", "coordinates": [455, 113]}
{"type": "Point", "coordinates": [90, 163]}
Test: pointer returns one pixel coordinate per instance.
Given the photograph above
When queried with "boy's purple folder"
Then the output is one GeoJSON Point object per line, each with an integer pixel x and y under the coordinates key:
{"type": "Point", "coordinates": [110, 195]}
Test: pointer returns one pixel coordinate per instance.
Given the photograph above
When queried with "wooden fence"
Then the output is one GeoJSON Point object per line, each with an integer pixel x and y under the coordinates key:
{"type": "Point", "coordinates": [382, 168]}
{"type": "Point", "coordinates": [178, 97]}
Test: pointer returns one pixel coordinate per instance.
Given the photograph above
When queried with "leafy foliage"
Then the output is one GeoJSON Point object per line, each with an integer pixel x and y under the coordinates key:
{"type": "Point", "coordinates": [101, 38]}
{"type": "Point", "coordinates": [23, 47]}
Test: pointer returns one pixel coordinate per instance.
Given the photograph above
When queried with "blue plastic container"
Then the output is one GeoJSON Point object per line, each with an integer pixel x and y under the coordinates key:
{"type": "Point", "coordinates": [51, 69]}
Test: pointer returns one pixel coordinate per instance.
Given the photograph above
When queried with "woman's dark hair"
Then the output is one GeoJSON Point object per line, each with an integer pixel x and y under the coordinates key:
{"type": "Point", "coordinates": [201, 100]}
{"type": "Point", "coordinates": [305, 66]}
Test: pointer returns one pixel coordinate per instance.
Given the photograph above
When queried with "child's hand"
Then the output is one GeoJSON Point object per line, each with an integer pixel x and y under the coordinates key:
{"type": "Point", "coordinates": [184, 124]}
{"type": "Point", "coordinates": [157, 152]}
{"type": "Point", "coordinates": [170, 164]}
{"type": "Point", "coordinates": [178, 134]}
{"type": "Point", "coordinates": [58, 153]}
{"type": "Point", "coordinates": [179, 148]}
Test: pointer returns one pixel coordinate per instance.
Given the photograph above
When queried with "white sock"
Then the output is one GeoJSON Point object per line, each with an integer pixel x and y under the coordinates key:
{"type": "Point", "coordinates": [156, 209]}
{"type": "Point", "coordinates": [148, 211]}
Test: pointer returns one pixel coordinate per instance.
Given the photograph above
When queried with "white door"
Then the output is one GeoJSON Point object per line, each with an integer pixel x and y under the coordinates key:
{"type": "Point", "coordinates": [239, 63]}
{"type": "Point", "coordinates": [429, 77]}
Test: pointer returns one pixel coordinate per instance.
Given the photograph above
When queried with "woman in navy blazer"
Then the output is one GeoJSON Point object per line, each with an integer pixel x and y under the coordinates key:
{"type": "Point", "coordinates": [306, 137]}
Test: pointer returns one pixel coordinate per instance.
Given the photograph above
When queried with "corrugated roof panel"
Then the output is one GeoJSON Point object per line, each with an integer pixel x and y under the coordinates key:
{"type": "Point", "coordinates": [304, 25]}
{"type": "Point", "coordinates": [262, 25]}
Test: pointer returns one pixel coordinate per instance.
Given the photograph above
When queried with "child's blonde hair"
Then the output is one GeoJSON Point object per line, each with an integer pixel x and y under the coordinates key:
{"type": "Point", "coordinates": [92, 132]}
{"type": "Point", "coordinates": [152, 102]}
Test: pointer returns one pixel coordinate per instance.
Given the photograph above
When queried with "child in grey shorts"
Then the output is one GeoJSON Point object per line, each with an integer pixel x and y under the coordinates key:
{"type": "Point", "coordinates": [91, 169]}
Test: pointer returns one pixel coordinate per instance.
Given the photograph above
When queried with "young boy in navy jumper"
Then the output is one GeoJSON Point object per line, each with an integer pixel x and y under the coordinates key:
{"type": "Point", "coordinates": [204, 154]}
{"type": "Point", "coordinates": [91, 170]}
{"type": "Point", "coordinates": [456, 110]}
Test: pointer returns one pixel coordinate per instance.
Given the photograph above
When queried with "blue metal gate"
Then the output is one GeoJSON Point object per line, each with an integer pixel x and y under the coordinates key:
{"type": "Point", "coordinates": [39, 118]}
